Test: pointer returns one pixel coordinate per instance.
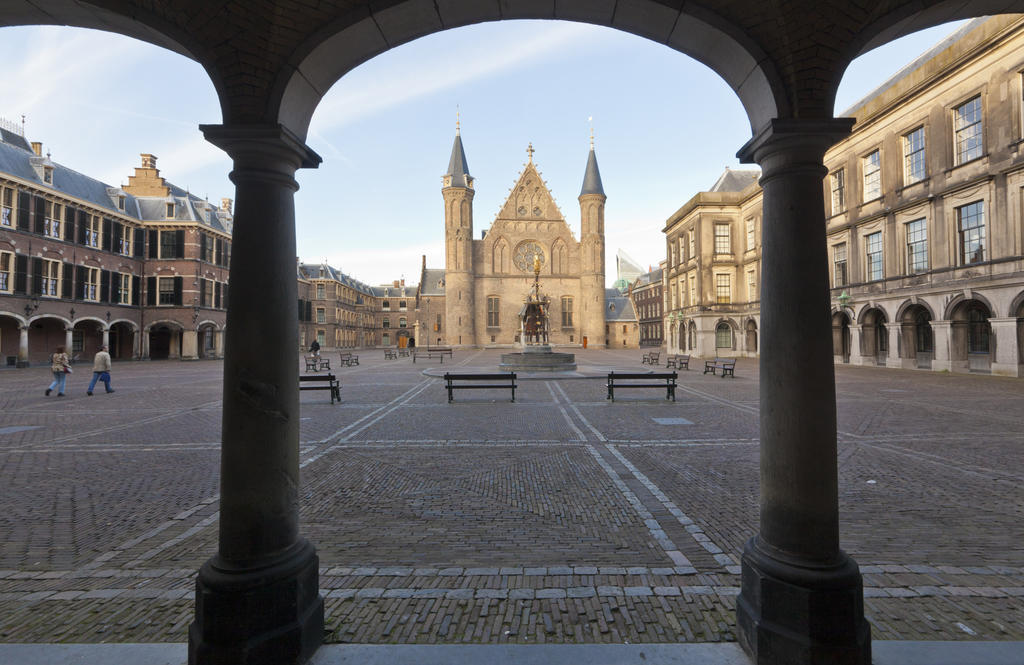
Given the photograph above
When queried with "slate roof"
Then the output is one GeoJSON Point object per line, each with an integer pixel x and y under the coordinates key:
{"type": "Point", "coordinates": [592, 176]}
{"type": "Point", "coordinates": [433, 282]}
{"type": "Point", "coordinates": [312, 271]}
{"type": "Point", "coordinates": [617, 307]}
{"type": "Point", "coordinates": [458, 168]}
{"type": "Point", "coordinates": [734, 181]}
{"type": "Point", "coordinates": [18, 160]}
{"type": "Point", "coordinates": [388, 291]}
{"type": "Point", "coordinates": [653, 277]}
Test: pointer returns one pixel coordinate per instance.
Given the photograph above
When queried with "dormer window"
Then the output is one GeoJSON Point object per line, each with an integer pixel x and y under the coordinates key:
{"type": "Point", "coordinates": [120, 203]}
{"type": "Point", "coordinates": [48, 175]}
{"type": "Point", "coordinates": [170, 211]}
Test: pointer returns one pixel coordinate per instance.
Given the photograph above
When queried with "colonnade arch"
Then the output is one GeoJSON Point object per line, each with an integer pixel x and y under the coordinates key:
{"type": "Point", "coordinates": [257, 598]}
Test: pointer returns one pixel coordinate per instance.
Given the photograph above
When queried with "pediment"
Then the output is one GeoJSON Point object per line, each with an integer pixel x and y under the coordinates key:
{"type": "Point", "coordinates": [530, 199]}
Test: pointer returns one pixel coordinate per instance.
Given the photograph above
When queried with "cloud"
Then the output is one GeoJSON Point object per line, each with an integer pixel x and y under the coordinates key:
{"type": "Point", "coordinates": [368, 90]}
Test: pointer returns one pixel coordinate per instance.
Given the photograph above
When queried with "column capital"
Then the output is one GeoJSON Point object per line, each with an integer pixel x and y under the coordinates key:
{"type": "Point", "coordinates": [244, 142]}
{"type": "Point", "coordinates": [799, 139]}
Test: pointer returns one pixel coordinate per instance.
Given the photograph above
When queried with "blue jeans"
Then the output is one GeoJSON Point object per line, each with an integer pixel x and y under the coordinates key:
{"type": "Point", "coordinates": [59, 380]}
{"type": "Point", "coordinates": [100, 376]}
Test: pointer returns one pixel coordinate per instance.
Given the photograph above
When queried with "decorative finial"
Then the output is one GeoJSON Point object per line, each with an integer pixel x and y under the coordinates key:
{"type": "Point", "coordinates": [591, 121]}
{"type": "Point", "coordinates": [529, 151]}
{"type": "Point", "coordinates": [457, 120]}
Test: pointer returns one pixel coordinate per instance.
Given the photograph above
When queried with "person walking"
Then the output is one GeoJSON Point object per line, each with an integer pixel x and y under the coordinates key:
{"type": "Point", "coordinates": [60, 365]}
{"type": "Point", "coordinates": [314, 348]}
{"type": "Point", "coordinates": [100, 370]}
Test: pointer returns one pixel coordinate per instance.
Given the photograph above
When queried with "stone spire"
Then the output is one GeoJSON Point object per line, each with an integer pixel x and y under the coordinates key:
{"type": "Point", "coordinates": [458, 170]}
{"type": "Point", "coordinates": [592, 176]}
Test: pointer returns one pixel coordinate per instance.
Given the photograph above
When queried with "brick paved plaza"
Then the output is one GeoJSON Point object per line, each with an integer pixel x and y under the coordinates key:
{"type": "Point", "coordinates": [559, 518]}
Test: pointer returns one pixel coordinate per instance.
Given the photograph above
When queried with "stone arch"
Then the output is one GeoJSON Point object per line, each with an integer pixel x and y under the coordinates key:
{"type": "Point", "coordinates": [720, 338]}
{"type": "Point", "coordinates": [909, 304]}
{"type": "Point", "coordinates": [22, 321]}
{"type": "Point", "coordinates": [1016, 306]}
{"type": "Point", "coordinates": [352, 39]}
{"type": "Point", "coordinates": [971, 345]}
{"type": "Point", "coordinates": [86, 319]}
{"type": "Point", "coordinates": [917, 338]}
{"type": "Point", "coordinates": [750, 341]}
{"type": "Point", "coordinates": [841, 337]}
{"type": "Point", "coordinates": [501, 255]}
{"type": "Point", "coordinates": [957, 301]}
{"type": "Point", "coordinates": [871, 310]}
{"type": "Point", "coordinates": [11, 326]}
{"type": "Point", "coordinates": [162, 339]}
{"type": "Point", "coordinates": [874, 333]}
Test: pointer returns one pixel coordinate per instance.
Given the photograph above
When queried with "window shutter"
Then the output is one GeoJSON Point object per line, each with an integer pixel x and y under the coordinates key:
{"type": "Point", "coordinates": [135, 290]}
{"type": "Point", "coordinates": [40, 213]}
{"type": "Point", "coordinates": [219, 252]}
{"type": "Point", "coordinates": [216, 294]}
{"type": "Point", "coordinates": [20, 274]}
{"type": "Point", "coordinates": [202, 246]}
{"type": "Point", "coordinates": [69, 223]}
{"type": "Point", "coordinates": [140, 241]}
{"type": "Point", "coordinates": [309, 310]}
{"type": "Point", "coordinates": [65, 283]}
{"type": "Point", "coordinates": [80, 280]}
{"type": "Point", "coordinates": [104, 286]}
{"type": "Point", "coordinates": [118, 237]}
{"type": "Point", "coordinates": [151, 290]}
{"type": "Point", "coordinates": [179, 245]}
{"type": "Point", "coordinates": [24, 202]}
{"type": "Point", "coordinates": [107, 232]}
{"type": "Point", "coordinates": [177, 288]}
{"type": "Point", "coordinates": [115, 288]}
{"type": "Point", "coordinates": [224, 298]}
{"type": "Point", "coordinates": [202, 292]}
{"type": "Point", "coordinates": [80, 236]}
{"type": "Point", "coordinates": [227, 253]}
{"type": "Point", "coordinates": [37, 276]}
{"type": "Point", "coordinates": [302, 309]}
{"type": "Point", "coordinates": [153, 241]}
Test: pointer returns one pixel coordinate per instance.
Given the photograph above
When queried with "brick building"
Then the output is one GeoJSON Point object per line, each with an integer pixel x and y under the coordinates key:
{"type": "Point", "coordinates": [142, 267]}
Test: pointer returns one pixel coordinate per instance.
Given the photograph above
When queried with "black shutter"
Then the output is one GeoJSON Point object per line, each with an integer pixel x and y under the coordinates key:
{"type": "Point", "coordinates": [135, 290]}
{"type": "Point", "coordinates": [227, 253]}
{"type": "Point", "coordinates": [65, 283]}
{"type": "Point", "coordinates": [151, 290]}
{"type": "Point", "coordinates": [309, 310]}
{"type": "Point", "coordinates": [118, 237]}
{"type": "Point", "coordinates": [104, 286]}
{"type": "Point", "coordinates": [179, 245]}
{"type": "Point", "coordinates": [224, 298]}
{"type": "Point", "coordinates": [37, 276]}
{"type": "Point", "coordinates": [40, 213]}
{"type": "Point", "coordinates": [154, 239]}
{"type": "Point", "coordinates": [216, 294]}
{"type": "Point", "coordinates": [24, 203]}
{"type": "Point", "coordinates": [177, 288]}
{"type": "Point", "coordinates": [115, 288]}
{"type": "Point", "coordinates": [69, 223]}
{"type": "Point", "coordinates": [202, 293]}
{"type": "Point", "coordinates": [219, 252]}
{"type": "Point", "coordinates": [82, 227]}
{"type": "Point", "coordinates": [202, 246]}
{"type": "Point", "coordinates": [107, 233]}
{"type": "Point", "coordinates": [20, 274]}
{"type": "Point", "coordinates": [80, 280]}
{"type": "Point", "coordinates": [140, 240]}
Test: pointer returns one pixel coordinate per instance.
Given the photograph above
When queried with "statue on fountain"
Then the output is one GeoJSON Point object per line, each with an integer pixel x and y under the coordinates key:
{"type": "Point", "coordinates": [533, 317]}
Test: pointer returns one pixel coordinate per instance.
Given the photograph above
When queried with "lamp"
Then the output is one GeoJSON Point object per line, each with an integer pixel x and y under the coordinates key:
{"type": "Point", "coordinates": [31, 306]}
{"type": "Point", "coordinates": [844, 299]}
{"type": "Point", "coordinates": [72, 313]}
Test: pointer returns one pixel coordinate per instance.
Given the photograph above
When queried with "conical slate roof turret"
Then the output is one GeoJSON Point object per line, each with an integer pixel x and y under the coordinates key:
{"type": "Point", "coordinates": [458, 169]}
{"type": "Point", "coordinates": [592, 177]}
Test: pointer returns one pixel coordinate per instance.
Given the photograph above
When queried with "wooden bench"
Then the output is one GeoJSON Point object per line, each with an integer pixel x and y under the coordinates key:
{"type": "Point", "coordinates": [445, 350]}
{"type": "Point", "coordinates": [389, 354]}
{"type": "Point", "coordinates": [648, 380]}
{"type": "Point", "coordinates": [651, 358]}
{"type": "Point", "coordinates": [505, 380]}
{"type": "Point", "coordinates": [403, 353]}
{"type": "Point", "coordinates": [330, 380]}
{"type": "Point", "coordinates": [678, 361]}
{"type": "Point", "coordinates": [431, 353]}
{"type": "Point", "coordinates": [724, 365]}
{"type": "Point", "coordinates": [348, 359]}
{"type": "Point", "coordinates": [317, 364]}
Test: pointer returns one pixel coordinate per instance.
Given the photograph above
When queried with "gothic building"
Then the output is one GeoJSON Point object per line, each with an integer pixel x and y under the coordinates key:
{"type": "Point", "coordinates": [487, 279]}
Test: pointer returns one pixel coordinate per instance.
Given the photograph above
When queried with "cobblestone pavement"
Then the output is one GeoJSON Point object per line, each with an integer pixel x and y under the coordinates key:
{"type": "Point", "coordinates": [558, 518]}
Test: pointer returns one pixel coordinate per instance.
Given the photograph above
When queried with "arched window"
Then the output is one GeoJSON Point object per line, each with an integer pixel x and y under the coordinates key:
{"type": "Point", "coordinates": [402, 322]}
{"type": "Point", "coordinates": [978, 329]}
{"type": "Point", "coordinates": [923, 332]}
{"type": "Point", "coordinates": [723, 336]}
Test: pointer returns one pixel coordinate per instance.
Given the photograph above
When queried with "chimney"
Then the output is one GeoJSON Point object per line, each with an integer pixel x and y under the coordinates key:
{"type": "Point", "coordinates": [148, 161]}
{"type": "Point", "coordinates": [395, 284]}
{"type": "Point", "coordinates": [403, 281]}
{"type": "Point", "coordinates": [37, 148]}
{"type": "Point", "coordinates": [424, 261]}
{"type": "Point", "coordinates": [225, 205]}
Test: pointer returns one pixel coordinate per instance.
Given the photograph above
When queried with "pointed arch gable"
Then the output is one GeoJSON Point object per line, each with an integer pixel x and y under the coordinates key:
{"type": "Point", "coordinates": [501, 255]}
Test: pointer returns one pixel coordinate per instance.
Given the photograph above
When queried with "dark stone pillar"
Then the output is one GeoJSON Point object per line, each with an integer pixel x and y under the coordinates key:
{"type": "Point", "coordinates": [802, 599]}
{"type": "Point", "coordinates": [258, 599]}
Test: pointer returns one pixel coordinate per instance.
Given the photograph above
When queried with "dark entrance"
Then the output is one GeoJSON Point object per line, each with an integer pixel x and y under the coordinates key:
{"type": "Point", "coordinates": [160, 343]}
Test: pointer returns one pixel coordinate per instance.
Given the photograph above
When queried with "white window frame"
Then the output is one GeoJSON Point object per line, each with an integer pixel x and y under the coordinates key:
{"type": "Point", "coordinates": [871, 169]}
{"type": "Point", "coordinates": [6, 272]}
{"type": "Point", "coordinates": [126, 288]}
{"type": "Point", "coordinates": [968, 133]}
{"type": "Point", "coordinates": [91, 288]}
{"type": "Point", "coordinates": [915, 167]}
{"type": "Point", "coordinates": [960, 244]}
{"type": "Point", "coordinates": [7, 207]}
{"type": "Point", "coordinates": [914, 241]}
{"type": "Point", "coordinates": [723, 284]}
{"type": "Point", "coordinates": [723, 241]}
{"type": "Point", "coordinates": [837, 181]}
{"type": "Point", "coordinates": [93, 229]}
{"type": "Point", "coordinates": [751, 234]}
{"type": "Point", "coordinates": [52, 223]}
{"type": "Point", "coordinates": [871, 252]}
{"type": "Point", "coordinates": [51, 282]}
{"type": "Point", "coordinates": [160, 281]}
{"type": "Point", "coordinates": [835, 264]}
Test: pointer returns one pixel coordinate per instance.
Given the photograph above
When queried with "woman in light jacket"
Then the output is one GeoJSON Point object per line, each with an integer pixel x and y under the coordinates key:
{"type": "Point", "coordinates": [59, 365]}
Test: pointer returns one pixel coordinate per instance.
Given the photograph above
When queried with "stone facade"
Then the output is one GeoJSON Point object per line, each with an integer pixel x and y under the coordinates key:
{"type": "Point", "coordinates": [334, 309]}
{"type": "Point", "coordinates": [486, 280]}
{"type": "Point", "coordinates": [647, 295]}
{"type": "Point", "coordinates": [143, 268]}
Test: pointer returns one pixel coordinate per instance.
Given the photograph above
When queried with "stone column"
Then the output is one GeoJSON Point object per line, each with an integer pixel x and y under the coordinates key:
{"type": "Point", "coordinates": [69, 341]}
{"type": "Point", "coordinates": [895, 330]}
{"type": "Point", "coordinates": [145, 344]}
{"type": "Point", "coordinates": [942, 336]}
{"type": "Point", "coordinates": [189, 345]}
{"type": "Point", "coordinates": [106, 337]}
{"type": "Point", "coordinates": [801, 599]}
{"type": "Point", "coordinates": [218, 344]}
{"type": "Point", "coordinates": [856, 357]}
{"type": "Point", "coordinates": [257, 599]}
{"type": "Point", "coordinates": [1006, 362]}
{"type": "Point", "coordinates": [23, 346]}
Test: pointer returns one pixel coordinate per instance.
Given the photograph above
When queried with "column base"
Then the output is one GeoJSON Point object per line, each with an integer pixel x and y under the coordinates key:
{"type": "Point", "coordinates": [1006, 369]}
{"type": "Point", "coordinates": [270, 613]}
{"type": "Point", "coordinates": [788, 613]}
{"type": "Point", "coordinates": [22, 363]}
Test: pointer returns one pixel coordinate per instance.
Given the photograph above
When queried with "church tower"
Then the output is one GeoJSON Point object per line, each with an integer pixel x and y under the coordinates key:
{"type": "Point", "coordinates": [592, 200]}
{"type": "Point", "coordinates": [457, 190]}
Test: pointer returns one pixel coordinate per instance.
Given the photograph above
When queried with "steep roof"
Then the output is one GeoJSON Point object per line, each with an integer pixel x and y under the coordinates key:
{"type": "Point", "coordinates": [433, 282]}
{"type": "Point", "coordinates": [312, 271]}
{"type": "Point", "coordinates": [734, 181]}
{"type": "Point", "coordinates": [618, 307]}
{"type": "Point", "coordinates": [530, 198]}
{"type": "Point", "coordinates": [458, 167]}
{"type": "Point", "coordinates": [592, 176]}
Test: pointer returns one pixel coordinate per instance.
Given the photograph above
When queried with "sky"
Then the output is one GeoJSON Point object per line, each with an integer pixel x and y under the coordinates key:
{"type": "Point", "coordinates": [665, 128]}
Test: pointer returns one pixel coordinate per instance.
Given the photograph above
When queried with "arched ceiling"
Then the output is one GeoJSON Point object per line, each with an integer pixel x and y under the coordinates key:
{"type": "Point", "coordinates": [272, 61]}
